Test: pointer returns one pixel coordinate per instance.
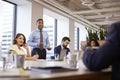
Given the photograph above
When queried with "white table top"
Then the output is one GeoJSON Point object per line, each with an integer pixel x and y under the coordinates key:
{"type": "Point", "coordinates": [82, 70]}
{"type": "Point", "coordinates": [43, 63]}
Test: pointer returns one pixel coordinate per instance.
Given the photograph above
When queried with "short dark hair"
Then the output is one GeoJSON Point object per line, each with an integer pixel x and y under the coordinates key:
{"type": "Point", "coordinates": [39, 20]}
{"type": "Point", "coordinates": [65, 38]}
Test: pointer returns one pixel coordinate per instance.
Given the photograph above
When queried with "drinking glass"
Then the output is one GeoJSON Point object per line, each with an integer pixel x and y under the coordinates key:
{"type": "Point", "coordinates": [8, 60]}
{"type": "Point", "coordinates": [56, 56]}
{"type": "Point", "coordinates": [4, 57]}
{"type": "Point", "coordinates": [73, 61]}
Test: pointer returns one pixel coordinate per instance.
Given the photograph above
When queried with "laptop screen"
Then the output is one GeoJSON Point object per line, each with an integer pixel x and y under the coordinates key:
{"type": "Point", "coordinates": [62, 54]}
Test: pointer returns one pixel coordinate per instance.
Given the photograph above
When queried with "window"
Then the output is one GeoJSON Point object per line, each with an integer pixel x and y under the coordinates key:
{"type": "Point", "coordinates": [49, 28]}
{"type": "Point", "coordinates": [49, 23]}
{"type": "Point", "coordinates": [76, 38]}
{"type": "Point", "coordinates": [7, 23]}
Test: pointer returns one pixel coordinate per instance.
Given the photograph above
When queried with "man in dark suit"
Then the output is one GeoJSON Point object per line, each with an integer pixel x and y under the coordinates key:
{"type": "Point", "coordinates": [65, 42]}
{"type": "Point", "coordinates": [107, 55]}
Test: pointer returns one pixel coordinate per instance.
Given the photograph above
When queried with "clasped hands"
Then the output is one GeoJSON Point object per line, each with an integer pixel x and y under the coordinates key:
{"type": "Point", "coordinates": [41, 45]}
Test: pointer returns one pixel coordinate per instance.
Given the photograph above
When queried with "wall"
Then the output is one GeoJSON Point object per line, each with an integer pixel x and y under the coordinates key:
{"type": "Point", "coordinates": [71, 34]}
{"type": "Point", "coordinates": [24, 18]}
{"type": "Point", "coordinates": [37, 12]}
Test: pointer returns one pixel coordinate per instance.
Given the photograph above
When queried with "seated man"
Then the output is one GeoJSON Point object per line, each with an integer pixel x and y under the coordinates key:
{"type": "Point", "coordinates": [62, 48]}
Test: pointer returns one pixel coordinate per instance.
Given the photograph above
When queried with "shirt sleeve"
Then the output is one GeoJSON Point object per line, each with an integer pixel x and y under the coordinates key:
{"type": "Point", "coordinates": [12, 47]}
{"type": "Point", "coordinates": [30, 41]}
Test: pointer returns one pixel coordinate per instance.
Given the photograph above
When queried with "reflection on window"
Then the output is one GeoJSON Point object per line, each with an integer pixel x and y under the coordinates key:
{"type": "Point", "coordinates": [6, 25]}
{"type": "Point", "coordinates": [49, 27]}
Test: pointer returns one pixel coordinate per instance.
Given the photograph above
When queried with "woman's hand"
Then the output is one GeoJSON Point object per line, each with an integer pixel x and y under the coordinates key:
{"type": "Point", "coordinates": [25, 46]}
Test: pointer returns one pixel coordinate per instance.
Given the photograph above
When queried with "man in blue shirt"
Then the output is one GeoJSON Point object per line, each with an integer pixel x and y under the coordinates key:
{"type": "Point", "coordinates": [38, 42]}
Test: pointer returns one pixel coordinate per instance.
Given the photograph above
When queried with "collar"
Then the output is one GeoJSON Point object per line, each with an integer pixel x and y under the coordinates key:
{"type": "Point", "coordinates": [39, 30]}
{"type": "Point", "coordinates": [61, 46]}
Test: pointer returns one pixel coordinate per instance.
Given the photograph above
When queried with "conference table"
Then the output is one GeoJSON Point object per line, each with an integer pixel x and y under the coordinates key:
{"type": "Point", "coordinates": [82, 73]}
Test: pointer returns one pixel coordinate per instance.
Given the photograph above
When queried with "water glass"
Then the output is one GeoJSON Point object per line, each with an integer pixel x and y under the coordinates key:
{"type": "Point", "coordinates": [56, 56]}
{"type": "Point", "coordinates": [73, 61]}
{"type": "Point", "coordinates": [7, 60]}
{"type": "Point", "coordinates": [10, 61]}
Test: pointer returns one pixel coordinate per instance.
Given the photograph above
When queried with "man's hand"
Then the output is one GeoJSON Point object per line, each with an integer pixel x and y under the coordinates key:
{"type": "Point", "coordinates": [41, 45]}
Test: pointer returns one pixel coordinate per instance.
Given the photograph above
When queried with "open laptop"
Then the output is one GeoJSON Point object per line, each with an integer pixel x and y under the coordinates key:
{"type": "Point", "coordinates": [62, 54]}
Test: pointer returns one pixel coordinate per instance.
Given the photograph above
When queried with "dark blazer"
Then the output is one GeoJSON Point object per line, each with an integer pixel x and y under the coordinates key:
{"type": "Point", "coordinates": [107, 55]}
{"type": "Point", "coordinates": [57, 50]}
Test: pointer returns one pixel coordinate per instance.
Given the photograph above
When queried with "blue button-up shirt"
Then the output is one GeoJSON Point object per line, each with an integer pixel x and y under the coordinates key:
{"type": "Point", "coordinates": [34, 39]}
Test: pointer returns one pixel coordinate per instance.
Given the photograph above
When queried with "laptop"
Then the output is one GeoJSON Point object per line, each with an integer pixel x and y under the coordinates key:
{"type": "Point", "coordinates": [62, 54]}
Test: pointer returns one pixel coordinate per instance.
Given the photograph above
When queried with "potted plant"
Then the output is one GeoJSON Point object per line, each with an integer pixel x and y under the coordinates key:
{"type": "Point", "coordinates": [102, 33]}
{"type": "Point", "coordinates": [99, 35]}
{"type": "Point", "coordinates": [92, 34]}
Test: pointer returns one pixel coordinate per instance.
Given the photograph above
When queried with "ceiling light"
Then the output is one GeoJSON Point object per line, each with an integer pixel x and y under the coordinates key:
{"type": "Point", "coordinates": [88, 3]}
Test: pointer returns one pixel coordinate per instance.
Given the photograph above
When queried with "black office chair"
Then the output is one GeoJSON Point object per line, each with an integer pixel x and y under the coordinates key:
{"type": "Point", "coordinates": [40, 52]}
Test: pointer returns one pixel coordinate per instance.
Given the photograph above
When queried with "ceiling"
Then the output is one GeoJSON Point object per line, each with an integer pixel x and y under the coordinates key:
{"type": "Point", "coordinates": [89, 12]}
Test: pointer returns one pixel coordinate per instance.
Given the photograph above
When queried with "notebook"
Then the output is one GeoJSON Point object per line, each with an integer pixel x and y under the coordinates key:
{"type": "Point", "coordinates": [52, 69]}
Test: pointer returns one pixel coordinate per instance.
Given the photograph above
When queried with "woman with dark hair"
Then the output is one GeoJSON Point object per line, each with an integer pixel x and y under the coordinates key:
{"type": "Point", "coordinates": [20, 47]}
{"type": "Point", "coordinates": [93, 43]}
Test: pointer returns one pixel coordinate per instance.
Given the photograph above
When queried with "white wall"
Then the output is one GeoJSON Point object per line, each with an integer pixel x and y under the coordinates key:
{"type": "Point", "coordinates": [37, 12]}
{"type": "Point", "coordinates": [24, 18]}
{"type": "Point", "coordinates": [71, 34]}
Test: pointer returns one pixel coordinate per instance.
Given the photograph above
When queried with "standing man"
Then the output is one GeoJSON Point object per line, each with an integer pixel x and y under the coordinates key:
{"type": "Point", "coordinates": [64, 43]}
{"type": "Point", "coordinates": [39, 40]}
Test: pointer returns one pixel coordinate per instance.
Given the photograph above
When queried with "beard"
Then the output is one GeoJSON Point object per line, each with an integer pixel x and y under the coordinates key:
{"type": "Point", "coordinates": [64, 46]}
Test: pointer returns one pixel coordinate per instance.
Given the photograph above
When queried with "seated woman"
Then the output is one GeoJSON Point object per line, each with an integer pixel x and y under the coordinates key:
{"type": "Point", "coordinates": [20, 47]}
{"type": "Point", "coordinates": [93, 43]}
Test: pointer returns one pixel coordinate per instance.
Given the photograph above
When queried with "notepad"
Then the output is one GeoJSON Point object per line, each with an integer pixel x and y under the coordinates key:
{"type": "Point", "coordinates": [52, 69]}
